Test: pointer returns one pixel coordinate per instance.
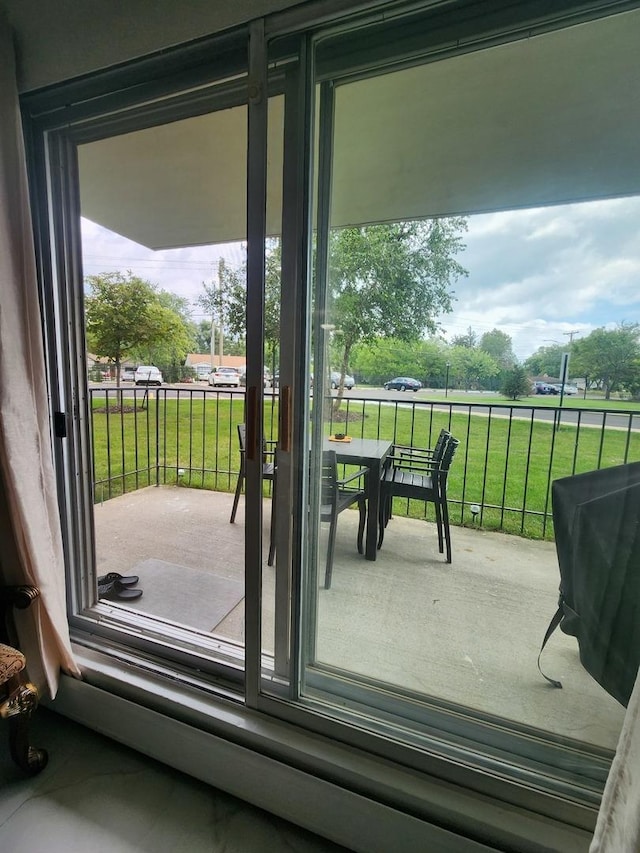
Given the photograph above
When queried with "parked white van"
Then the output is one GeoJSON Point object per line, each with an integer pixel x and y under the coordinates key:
{"type": "Point", "coordinates": [202, 371]}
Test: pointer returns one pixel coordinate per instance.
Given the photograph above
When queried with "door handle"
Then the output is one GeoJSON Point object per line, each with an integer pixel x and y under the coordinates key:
{"type": "Point", "coordinates": [252, 422]}
{"type": "Point", "coordinates": [285, 419]}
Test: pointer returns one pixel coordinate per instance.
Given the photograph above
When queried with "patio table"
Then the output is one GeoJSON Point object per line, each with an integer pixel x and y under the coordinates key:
{"type": "Point", "coordinates": [369, 453]}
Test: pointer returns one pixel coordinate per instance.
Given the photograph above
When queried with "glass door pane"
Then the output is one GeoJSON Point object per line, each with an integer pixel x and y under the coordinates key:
{"type": "Point", "coordinates": [164, 255]}
{"type": "Point", "coordinates": [164, 259]}
{"type": "Point", "coordinates": [417, 178]}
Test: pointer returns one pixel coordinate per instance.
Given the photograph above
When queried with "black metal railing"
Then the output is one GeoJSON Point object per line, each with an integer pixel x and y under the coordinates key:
{"type": "Point", "coordinates": [508, 457]}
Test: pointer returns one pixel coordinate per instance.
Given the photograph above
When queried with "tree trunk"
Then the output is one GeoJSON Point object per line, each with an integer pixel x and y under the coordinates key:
{"type": "Point", "coordinates": [118, 369]}
{"type": "Point", "coordinates": [343, 370]}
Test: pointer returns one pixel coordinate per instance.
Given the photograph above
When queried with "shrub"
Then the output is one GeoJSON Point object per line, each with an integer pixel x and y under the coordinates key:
{"type": "Point", "coordinates": [515, 383]}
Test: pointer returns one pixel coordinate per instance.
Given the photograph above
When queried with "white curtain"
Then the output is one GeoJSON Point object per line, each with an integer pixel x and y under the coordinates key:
{"type": "Point", "coordinates": [618, 826]}
{"type": "Point", "coordinates": [30, 537]}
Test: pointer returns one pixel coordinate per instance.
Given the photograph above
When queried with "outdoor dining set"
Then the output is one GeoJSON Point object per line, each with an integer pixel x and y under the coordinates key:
{"type": "Point", "coordinates": [384, 471]}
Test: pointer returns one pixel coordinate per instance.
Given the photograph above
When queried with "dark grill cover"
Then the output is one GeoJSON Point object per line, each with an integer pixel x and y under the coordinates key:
{"type": "Point", "coordinates": [597, 529]}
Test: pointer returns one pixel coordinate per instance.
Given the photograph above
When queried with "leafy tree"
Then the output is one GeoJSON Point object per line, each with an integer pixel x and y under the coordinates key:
{"type": "Point", "coordinates": [545, 361]}
{"type": "Point", "coordinates": [609, 356]}
{"type": "Point", "coordinates": [235, 346]}
{"type": "Point", "coordinates": [432, 356]}
{"type": "Point", "coordinates": [499, 346]}
{"type": "Point", "coordinates": [171, 348]}
{"type": "Point", "coordinates": [471, 366]}
{"type": "Point", "coordinates": [515, 383]}
{"type": "Point", "coordinates": [178, 304]}
{"type": "Point", "coordinates": [226, 301]}
{"type": "Point", "coordinates": [272, 288]}
{"type": "Point", "coordinates": [125, 314]}
{"type": "Point", "coordinates": [385, 358]}
{"type": "Point", "coordinates": [469, 340]}
{"type": "Point", "coordinates": [202, 336]}
{"type": "Point", "coordinates": [391, 281]}
{"type": "Point", "coordinates": [385, 281]}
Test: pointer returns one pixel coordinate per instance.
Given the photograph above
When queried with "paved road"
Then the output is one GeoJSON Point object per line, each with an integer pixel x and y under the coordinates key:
{"type": "Point", "coordinates": [568, 416]}
{"type": "Point", "coordinates": [592, 418]}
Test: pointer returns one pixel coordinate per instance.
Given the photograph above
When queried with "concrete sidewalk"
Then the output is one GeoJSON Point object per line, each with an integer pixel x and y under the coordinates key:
{"type": "Point", "coordinates": [468, 633]}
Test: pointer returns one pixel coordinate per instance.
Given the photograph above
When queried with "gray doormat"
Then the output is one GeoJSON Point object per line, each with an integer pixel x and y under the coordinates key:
{"type": "Point", "coordinates": [190, 597]}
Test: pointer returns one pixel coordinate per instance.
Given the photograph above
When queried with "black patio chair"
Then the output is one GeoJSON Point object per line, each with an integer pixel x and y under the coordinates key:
{"type": "Point", "coordinates": [338, 494]}
{"type": "Point", "coordinates": [268, 473]}
{"type": "Point", "coordinates": [426, 452]}
{"type": "Point", "coordinates": [421, 477]}
{"type": "Point", "coordinates": [421, 454]}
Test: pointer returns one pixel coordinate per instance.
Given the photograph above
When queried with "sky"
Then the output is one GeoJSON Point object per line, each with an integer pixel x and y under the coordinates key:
{"type": "Point", "coordinates": [542, 276]}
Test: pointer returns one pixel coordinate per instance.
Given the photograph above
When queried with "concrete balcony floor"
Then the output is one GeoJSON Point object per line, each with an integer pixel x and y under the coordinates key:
{"type": "Point", "coordinates": [468, 633]}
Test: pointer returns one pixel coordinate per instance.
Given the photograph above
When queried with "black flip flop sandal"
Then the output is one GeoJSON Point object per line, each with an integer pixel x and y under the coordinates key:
{"type": "Point", "coordinates": [114, 589]}
{"type": "Point", "coordinates": [127, 580]}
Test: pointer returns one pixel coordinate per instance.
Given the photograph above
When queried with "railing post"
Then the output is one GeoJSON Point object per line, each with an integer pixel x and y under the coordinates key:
{"type": "Point", "coordinates": [524, 441]}
{"type": "Point", "coordinates": [158, 439]}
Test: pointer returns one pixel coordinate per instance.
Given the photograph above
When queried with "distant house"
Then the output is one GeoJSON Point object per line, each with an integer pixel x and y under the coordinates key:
{"type": "Point", "coordinates": [97, 361]}
{"type": "Point", "coordinates": [195, 358]}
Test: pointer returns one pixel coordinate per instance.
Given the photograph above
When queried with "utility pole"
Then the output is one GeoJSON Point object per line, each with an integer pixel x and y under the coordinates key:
{"type": "Point", "coordinates": [217, 330]}
{"type": "Point", "coordinates": [212, 346]}
{"type": "Point", "coordinates": [571, 334]}
{"type": "Point", "coordinates": [221, 346]}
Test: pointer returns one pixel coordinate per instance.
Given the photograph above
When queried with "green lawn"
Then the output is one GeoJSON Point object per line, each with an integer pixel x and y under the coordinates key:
{"type": "Point", "coordinates": [498, 463]}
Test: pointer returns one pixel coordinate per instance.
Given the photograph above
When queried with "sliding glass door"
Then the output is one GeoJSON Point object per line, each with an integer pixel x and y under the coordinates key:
{"type": "Point", "coordinates": [174, 351]}
{"type": "Point", "coordinates": [419, 161]}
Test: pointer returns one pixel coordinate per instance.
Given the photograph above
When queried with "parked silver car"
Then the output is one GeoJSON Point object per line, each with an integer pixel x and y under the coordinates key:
{"type": "Point", "coordinates": [349, 381]}
{"type": "Point", "coordinates": [568, 389]}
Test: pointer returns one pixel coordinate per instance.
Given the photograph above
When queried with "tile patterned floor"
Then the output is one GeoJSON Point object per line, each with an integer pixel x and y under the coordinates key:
{"type": "Point", "coordinates": [99, 796]}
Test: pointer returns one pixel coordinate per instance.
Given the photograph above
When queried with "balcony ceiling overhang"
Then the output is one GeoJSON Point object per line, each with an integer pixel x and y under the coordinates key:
{"type": "Point", "coordinates": [548, 120]}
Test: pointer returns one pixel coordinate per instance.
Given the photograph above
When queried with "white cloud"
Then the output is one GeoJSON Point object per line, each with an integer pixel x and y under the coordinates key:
{"type": "Point", "coordinates": [180, 271]}
{"type": "Point", "coordinates": [536, 274]}
{"type": "Point", "coordinates": [556, 227]}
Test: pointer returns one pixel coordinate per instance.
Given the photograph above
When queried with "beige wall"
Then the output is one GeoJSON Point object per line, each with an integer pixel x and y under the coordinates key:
{"type": "Point", "coordinates": [60, 39]}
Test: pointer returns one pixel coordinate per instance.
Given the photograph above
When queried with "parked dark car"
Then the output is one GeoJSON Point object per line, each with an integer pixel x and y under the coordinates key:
{"type": "Point", "coordinates": [403, 383]}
